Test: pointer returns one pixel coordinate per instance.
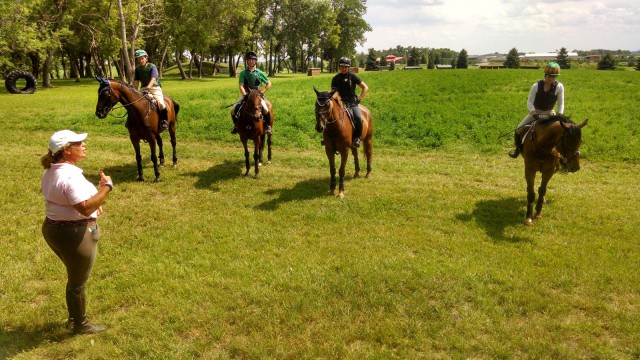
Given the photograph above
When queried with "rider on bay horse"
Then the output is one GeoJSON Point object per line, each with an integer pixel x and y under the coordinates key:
{"type": "Point", "coordinates": [345, 82]}
{"type": "Point", "coordinates": [146, 74]}
{"type": "Point", "coordinates": [542, 99]}
{"type": "Point", "coordinates": [251, 78]}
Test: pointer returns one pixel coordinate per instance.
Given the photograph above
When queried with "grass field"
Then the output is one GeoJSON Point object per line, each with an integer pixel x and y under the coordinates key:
{"type": "Point", "coordinates": [428, 259]}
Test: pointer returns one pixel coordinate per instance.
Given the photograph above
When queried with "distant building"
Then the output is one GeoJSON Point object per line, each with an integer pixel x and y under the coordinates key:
{"type": "Point", "coordinates": [392, 58]}
{"type": "Point", "coordinates": [546, 56]}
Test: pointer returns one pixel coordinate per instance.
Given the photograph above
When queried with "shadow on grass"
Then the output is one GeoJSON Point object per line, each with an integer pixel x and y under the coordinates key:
{"type": "Point", "coordinates": [304, 190]}
{"type": "Point", "coordinates": [129, 173]}
{"type": "Point", "coordinates": [496, 215]}
{"type": "Point", "coordinates": [20, 339]}
{"type": "Point", "coordinates": [225, 171]}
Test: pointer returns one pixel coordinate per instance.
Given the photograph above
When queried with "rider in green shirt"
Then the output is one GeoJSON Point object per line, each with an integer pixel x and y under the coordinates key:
{"type": "Point", "coordinates": [251, 78]}
{"type": "Point", "coordinates": [146, 74]}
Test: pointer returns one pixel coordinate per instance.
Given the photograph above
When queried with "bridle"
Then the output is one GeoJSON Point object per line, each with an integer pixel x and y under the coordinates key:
{"type": "Point", "coordinates": [109, 108]}
{"type": "Point", "coordinates": [568, 132]}
{"type": "Point", "coordinates": [321, 103]}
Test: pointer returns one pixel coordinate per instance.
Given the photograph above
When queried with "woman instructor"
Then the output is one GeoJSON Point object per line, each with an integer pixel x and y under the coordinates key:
{"type": "Point", "coordinates": [72, 205]}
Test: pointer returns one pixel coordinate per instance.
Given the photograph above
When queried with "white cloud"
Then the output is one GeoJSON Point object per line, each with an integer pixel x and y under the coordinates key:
{"type": "Point", "coordinates": [499, 25]}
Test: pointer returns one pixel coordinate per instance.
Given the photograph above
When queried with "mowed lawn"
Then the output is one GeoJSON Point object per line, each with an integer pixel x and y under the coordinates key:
{"type": "Point", "coordinates": [427, 259]}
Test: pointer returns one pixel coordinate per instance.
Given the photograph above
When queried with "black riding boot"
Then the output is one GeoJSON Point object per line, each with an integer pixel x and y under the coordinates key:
{"type": "Point", "coordinates": [266, 117]}
{"type": "Point", "coordinates": [357, 133]}
{"type": "Point", "coordinates": [77, 305]}
{"type": "Point", "coordinates": [164, 116]}
{"type": "Point", "coordinates": [516, 140]}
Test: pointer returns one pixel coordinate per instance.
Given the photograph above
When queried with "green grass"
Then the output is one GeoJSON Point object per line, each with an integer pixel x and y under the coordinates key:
{"type": "Point", "coordinates": [429, 258]}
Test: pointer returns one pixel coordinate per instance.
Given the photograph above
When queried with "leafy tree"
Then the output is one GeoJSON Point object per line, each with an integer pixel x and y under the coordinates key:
{"type": "Point", "coordinates": [513, 59]}
{"type": "Point", "coordinates": [371, 60]}
{"type": "Point", "coordinates": [463, 60]}
{"type": "Point", "coordinates": [414, 57]}
{"type": "Point", "coordinates": [607, 62]}
{"type": "Point", "coordinates": [638, 64]}
{"type": "Point", "coordinates": [383, 61]}
{"type": "Point", "coordinates": [563, 59]}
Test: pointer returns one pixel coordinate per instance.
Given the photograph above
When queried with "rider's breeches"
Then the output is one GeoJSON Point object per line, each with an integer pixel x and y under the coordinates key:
{"type": "Point", "coordinates": [529, 119]}
{"type": "Point", "coordinates": [156, 91]}
{"type": "Point", "coordinates": [357, 119]}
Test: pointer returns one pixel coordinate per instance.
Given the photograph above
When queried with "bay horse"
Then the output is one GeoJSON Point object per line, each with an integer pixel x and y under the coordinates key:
{"type": "Point", "coordinates": [142, 119]}
{"type": "Point", "coordinates": [332, 120]}
{"type": "Point", "coordinates": [251, 127]}
{"type": "Point", "coordinates": [549, 145]}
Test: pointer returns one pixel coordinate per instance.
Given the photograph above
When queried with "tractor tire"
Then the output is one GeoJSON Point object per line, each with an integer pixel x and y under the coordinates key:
{"type": "Point", "coordinates": [12, 78]}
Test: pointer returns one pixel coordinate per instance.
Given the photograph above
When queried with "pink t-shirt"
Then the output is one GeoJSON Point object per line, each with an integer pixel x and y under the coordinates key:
{"type": "Point", "coordinates": [63, 185]}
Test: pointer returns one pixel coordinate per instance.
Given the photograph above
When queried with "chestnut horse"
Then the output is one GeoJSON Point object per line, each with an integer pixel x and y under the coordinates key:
{"type": "Point", "coordinates": [142, 119]}
{"type": "Point", "coordinates": [332, 120]}
{"type": "Point", "coordinates": [251, 127]}
{"type": "Point", "coordinates": [549, 145]}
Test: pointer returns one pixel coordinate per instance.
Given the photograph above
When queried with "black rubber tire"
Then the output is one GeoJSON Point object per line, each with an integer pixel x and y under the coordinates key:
{"type": "Point", "coordinates": [12, 78]}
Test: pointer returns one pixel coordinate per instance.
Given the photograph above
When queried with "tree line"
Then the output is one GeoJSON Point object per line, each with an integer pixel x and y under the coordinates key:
{"type": "Point", "coordinates": [80, 38]}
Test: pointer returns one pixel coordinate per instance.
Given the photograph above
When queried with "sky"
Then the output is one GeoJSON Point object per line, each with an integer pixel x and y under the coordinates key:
{"type": "Point", "coordinates": [488, 26]}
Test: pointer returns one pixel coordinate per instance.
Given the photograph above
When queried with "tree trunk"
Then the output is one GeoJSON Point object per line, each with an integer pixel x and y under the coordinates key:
{"type": "Point", "coordinates": [128, 71]}
{"type": "Point", "coordinates": [182, 74]}
{"type": "Point", "coordinates": [46, 80]}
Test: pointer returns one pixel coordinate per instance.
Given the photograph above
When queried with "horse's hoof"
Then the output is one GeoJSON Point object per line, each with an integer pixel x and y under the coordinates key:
{"type": "Point", "coordinates": [368, 176]}
{"type": "Point", "coordinates": [268, 161]}
{"type": "Point", "coordinates": [331, 193]}
{"type": "Point", "coordinates": [341, 196]}
{"type": "Point", "coordinates": [140, 179]}
{"type": "Point", "coordinates": [259, 163]}
{"type": "Point", "coordinates": [356, 176]}
{"type": "Point", "coordinates": [156, 180]}
{"type": "Point", "coordinates": [256, 176]}
{"type": "Point", "coordinates": [537, 216]}
{"type": "Point", "coordinates": [528, 222]}
{"type": "Point", "coordinates": [174, 166]}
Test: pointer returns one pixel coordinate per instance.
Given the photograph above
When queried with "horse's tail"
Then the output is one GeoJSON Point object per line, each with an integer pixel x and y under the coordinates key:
{"type": "Point", "coordinates": [176, 107]}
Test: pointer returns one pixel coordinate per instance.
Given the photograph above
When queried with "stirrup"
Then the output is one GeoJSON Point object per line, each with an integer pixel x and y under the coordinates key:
{"type": "Point", "coordinates": [514, 153]}
{"type": "Point", "coordinates": [268, 129]}
{"type": "Point", "coordinates": [164, 124]}
{"type": "Point", "coordinates": [235, 130]}
{"type": "Point", "coordinates": [356, 143]}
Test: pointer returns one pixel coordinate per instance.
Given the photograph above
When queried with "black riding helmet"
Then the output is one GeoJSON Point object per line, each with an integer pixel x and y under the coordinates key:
{"type": "Point", "coordinates": [345, 61]}
{"type": "Point", "coordinates": [250, 55]}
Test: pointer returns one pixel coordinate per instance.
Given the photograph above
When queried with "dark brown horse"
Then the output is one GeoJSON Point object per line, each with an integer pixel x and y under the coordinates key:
{"type": "Point", "coordinates": [332, 120]}
{"type": "Point", "coordinates": [142, 119]}
{"type": "Point", "coordinates": [251, 127]}
{"type": "Point", "coordinates": [550, 145]}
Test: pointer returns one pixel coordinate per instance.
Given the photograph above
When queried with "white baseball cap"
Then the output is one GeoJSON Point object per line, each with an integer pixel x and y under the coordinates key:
{"type": "Point", "coordinates": [63, 137]}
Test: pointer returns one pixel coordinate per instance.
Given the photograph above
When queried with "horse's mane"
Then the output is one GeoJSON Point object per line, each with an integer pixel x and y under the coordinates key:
{"type": "Point", "coordinates": [338, 99]}
{"type": "Point", "coordinates": [553, 118]}
{"type": "Point", "coordinates": [124, 84]}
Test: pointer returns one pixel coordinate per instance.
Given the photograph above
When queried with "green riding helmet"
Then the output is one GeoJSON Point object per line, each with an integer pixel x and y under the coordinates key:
{"type": "Point", "coordinates": [140, 53]}
{"type": "Point", "coordinates": [552, 69]}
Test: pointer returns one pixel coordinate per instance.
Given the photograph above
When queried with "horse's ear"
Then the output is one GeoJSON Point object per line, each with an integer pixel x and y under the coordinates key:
{"type": "Point", "coordinates": [316, 90]}
{"type": "Point", "coordinates": [99, 79]}
{"type": "Point", "coordinates": [332, 92]}
{"type": "Point", "coordinates": [584, 123]}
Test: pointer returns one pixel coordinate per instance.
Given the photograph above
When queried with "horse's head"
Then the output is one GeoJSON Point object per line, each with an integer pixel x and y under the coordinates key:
{"type": "Point", "coordinates": [106, 99]}
{"type": "Point", "coordinates": [570, 146]}
{"type": "Point", "coordinates": [323, 108]}
{"type": "Point", "coordinates": [252, 106]}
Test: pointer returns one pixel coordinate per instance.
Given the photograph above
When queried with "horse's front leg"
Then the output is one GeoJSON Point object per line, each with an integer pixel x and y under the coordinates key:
{"type": "Point", "coordinates": [531, 196]}
{"type": "Point", "coordinates": [269, 148]}
{"type": "Point", "coordinates": [542, 192]}
{"type": "Point", "coordinates": [356, 161]}
{"type": "Point", "coordinates": [135, 141]}
{"type": "Point", "coordinates": [331, 156]}
{"type": "Point", "coordinates": [154, 159]}
{"type": "Point", "coordinates": [247, 165]}
{"type": "Point", "coordinates": [256, 156]}
{"type": "Point", "coordinates": [344, 155]}
{"type": "Point", "coordinates": [161, 155]}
